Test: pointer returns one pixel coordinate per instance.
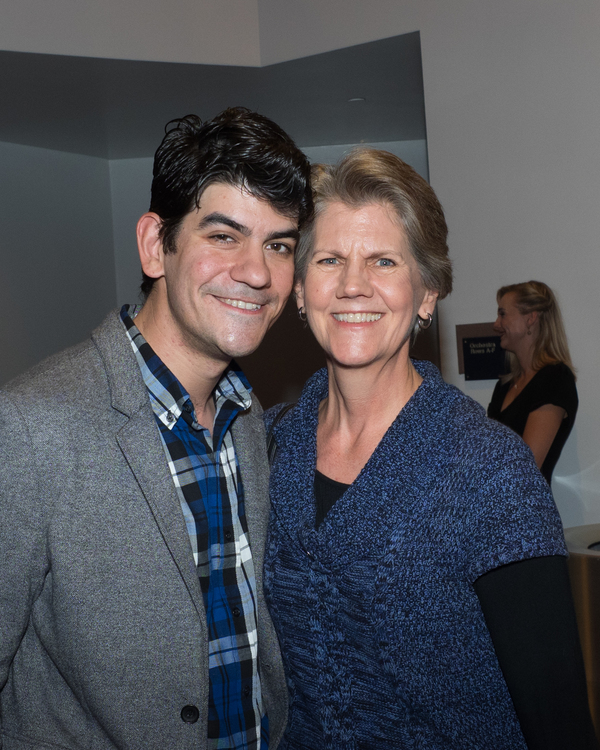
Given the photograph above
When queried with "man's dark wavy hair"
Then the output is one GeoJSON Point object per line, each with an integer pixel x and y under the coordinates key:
{"type": "Point", "coordinates": [237, 147]}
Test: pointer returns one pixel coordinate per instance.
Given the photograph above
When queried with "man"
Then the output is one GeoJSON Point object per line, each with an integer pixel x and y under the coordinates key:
{"type": "Point", "coordinates": [133, 476]}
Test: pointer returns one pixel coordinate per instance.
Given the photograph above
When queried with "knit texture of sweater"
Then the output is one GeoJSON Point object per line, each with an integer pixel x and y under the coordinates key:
{"type": "Point", "coordinates": [384, 641]}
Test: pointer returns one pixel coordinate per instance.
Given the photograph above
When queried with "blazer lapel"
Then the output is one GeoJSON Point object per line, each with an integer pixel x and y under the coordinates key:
{"type": "Point", "coordinates": [250, 448]}
{"type": "Point", "coordinates": [140, 442]}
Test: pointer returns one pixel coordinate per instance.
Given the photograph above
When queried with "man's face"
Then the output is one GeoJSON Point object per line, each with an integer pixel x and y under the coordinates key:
{"type": "Point", "coordinates": [231, 275]}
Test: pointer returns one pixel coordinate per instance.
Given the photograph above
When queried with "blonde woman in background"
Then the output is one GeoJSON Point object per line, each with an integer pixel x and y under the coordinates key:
{"type": "Point", "coordinates": [538, 397]}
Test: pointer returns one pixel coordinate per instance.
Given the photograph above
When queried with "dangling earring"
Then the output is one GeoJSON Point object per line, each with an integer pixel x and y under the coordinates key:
{"type": "Point", "coordinates": [302, 314]}
{"type": "Point", "coordinates": [424, 323]}
{"type": "Point", "coordinates": [529, 331]}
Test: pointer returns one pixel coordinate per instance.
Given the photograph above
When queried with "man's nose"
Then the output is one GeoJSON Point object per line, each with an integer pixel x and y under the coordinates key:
{"type": "Point", "coordinates": [251, 267]}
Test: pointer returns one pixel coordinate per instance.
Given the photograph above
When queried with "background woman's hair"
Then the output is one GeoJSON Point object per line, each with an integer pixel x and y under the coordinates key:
{"type": "Point", "coordinates": [550, 345]}
{"type": "Point", "coordinates": [368, 175]}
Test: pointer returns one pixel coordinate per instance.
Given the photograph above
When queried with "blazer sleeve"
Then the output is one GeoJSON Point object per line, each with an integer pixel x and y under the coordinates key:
{"type": "Point", "coordinates": [23, 507]}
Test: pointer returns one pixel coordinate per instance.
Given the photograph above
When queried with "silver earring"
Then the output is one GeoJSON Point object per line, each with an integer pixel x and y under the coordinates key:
{"type": "Point", "coordinates": [302, 314]}
{"type": "Point", "coordinates": [424, 323]}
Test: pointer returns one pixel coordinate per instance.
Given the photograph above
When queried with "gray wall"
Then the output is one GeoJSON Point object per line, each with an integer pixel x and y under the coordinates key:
{"type": "Point", "coordinates": [130, 181]}
{"type": "Point", "coordinates": [57, 278]}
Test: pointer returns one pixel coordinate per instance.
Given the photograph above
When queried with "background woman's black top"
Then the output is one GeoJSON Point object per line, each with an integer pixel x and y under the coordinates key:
{"type": "Point", "coordinates": [553, 384]}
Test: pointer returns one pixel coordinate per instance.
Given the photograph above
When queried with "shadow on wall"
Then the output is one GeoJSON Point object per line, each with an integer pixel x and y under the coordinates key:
{"type": "Point", "coordinates": [289, 355]}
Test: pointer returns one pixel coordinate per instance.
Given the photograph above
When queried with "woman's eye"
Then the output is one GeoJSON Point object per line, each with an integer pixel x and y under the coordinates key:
{"type": "Point", "coordinates": [328, 261]}
{"type": "Point", "coordinates": [385, 262]}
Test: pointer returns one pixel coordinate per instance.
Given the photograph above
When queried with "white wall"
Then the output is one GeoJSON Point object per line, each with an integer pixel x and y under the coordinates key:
{"type": "Point", "coordinates": [512, 98]}
{"type": "Point", "coordinates": [217, 32]}
{"type": "Point", "coordinates": [57, 276]}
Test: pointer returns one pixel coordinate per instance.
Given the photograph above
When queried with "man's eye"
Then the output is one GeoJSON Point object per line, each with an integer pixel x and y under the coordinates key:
{"type": "Point", "coordinates": [281, 248]}
{"type": "Point", "coordinates": [222, 237]}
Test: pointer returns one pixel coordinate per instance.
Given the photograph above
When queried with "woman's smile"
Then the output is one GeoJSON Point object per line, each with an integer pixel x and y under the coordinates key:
{"type": "Point", "coordinates": [357, 317]}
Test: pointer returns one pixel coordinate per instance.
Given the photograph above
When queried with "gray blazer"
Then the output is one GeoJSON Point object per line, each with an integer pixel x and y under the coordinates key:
{"type": "Point", "coordinates": [102, 625]}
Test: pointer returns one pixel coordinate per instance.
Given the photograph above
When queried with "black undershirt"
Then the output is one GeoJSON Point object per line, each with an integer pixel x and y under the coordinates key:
{"type": "Point", "coordinates": [528, 609]}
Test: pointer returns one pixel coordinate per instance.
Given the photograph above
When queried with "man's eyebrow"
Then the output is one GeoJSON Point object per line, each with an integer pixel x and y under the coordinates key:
{"type": "Point", "coordinates": [291, 233]}
{"type": "Point", "coordinates": [218, 218]}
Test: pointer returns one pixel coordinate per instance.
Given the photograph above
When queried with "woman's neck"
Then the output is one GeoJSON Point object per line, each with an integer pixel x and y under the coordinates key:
{"type": "Point", "coordinates": [525, 358]}
{"type": "Point", "coordinates": [356, 393]}
{"type": "Point", "coordinates": [361, 405]}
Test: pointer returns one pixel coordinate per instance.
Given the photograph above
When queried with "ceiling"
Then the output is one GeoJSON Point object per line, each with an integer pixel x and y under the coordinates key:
{"type": "Point", "coordinates": [117, 109]}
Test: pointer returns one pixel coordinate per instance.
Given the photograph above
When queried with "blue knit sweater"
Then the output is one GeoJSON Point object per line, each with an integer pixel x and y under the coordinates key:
{"type": "Point", "coordinates": [384, 642]}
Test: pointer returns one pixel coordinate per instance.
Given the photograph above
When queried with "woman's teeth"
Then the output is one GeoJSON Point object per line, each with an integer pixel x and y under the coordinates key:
{"type": "Point", "coordinates": [357, 317]}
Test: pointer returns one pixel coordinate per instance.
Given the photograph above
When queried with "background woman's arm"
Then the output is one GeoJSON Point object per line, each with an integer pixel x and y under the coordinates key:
{"type": "Point", "coordinates": [529, 612]}
{"type": "Point", "coordinates": [541, 428]}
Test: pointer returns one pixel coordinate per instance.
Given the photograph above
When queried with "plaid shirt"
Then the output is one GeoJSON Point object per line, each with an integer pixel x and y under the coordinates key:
{"type": "Point", "coordinates": [207, 478]}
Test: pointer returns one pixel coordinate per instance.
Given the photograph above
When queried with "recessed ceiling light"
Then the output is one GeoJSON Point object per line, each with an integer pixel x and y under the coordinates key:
{"type": "Point", "coordinates": [357, 99]}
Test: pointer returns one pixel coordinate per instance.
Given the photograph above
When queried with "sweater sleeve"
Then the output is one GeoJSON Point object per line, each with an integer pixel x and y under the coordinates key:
{"type": "Point", "coordinates": [515, 517]}
{"type": "Point", "coordinates": [529, 612]}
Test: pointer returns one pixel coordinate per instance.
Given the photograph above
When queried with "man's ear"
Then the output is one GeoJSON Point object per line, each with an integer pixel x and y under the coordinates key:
{"type": "Point", "coordinates": [428, 304]}
{"type": "Point", "coordinates": [150, 246]}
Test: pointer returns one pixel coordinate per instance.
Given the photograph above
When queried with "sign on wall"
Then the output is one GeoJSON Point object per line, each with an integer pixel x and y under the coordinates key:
{"type": "Point", "coordinates": [480, 356]}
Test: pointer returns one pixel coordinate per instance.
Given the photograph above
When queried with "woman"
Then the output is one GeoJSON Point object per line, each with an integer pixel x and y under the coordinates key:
{"type": "Point", "coordinates": [538, 397]}
{"type": "Point", "coordinates": [403, 519]}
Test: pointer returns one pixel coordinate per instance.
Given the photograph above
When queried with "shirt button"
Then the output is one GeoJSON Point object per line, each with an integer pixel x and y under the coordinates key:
{"type": "Point", "coordinates": [236, 612]}
{"type": "Point", "coordinates": [228, 536]}
{"type": "Point", "coordinates": [246, 691]}
{"type": "Point", "coordinates": [170, 417]}
{"type": "Point", "coordinates": [190, 714]}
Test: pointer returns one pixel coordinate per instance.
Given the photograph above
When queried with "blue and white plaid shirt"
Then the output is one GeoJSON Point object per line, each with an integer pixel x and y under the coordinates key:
{"type": "Point", "coordinates": [207, 478]}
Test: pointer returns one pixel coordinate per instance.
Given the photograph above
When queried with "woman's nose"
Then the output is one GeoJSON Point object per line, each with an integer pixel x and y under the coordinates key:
{"type": "Point", "coordinates": [355, 281]}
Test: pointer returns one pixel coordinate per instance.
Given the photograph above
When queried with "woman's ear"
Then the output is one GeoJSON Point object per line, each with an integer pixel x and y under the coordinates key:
{"type": "Point", "coordinates": [532, 319]}
{"type": "Point", "coordinates": [150, 245]}
{"type": "Point", "coordinates": [428, 304]}
{"type": "Point", "coordinates": [299, 293]}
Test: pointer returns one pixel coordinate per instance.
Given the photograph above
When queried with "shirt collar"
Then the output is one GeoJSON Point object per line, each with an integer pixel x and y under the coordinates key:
{"type": "Point", "coordinates": [168, 397]}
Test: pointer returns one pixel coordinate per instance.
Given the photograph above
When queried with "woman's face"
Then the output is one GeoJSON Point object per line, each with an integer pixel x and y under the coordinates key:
{"type": "Point", "coordinates": [363, 288]}
{"type": "Point", "coordinates": [511, 324]}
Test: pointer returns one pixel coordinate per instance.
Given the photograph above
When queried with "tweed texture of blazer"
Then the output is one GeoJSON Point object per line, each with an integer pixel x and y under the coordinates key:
{"type": "Point", "coordinates": [103, 636]}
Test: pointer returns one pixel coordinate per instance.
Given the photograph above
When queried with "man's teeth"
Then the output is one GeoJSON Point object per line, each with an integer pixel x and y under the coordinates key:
{"type": "Point", "coordinates": [357, 317]}
{"type": "Point", "coordinates": [242, 305]}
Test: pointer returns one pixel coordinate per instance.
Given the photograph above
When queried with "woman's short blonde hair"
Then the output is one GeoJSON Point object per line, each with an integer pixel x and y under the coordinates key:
{"type": "Point", "coordinates": [367, 175]}
{"type": "Point", "coordinates": [551, 344]}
